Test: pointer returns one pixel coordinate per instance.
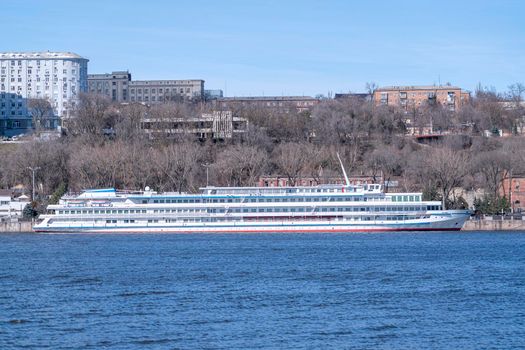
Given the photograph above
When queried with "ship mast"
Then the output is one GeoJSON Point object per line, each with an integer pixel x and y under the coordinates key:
{"type": "Point", "coordinates": [344, 171]}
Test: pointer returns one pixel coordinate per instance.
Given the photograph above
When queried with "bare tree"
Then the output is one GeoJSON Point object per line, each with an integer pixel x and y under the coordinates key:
{"type": "Point", "coordinates": [291, 160]}
{"type": "Point", "coordinates": [516, 93]}
{"type": "Point", "coordinates": [240, 165]}
{"type": "Point", "coordinates": [41, 112]}
{"type": "Point", "coordinates": [446, 169]}
{"type": "Point", "coordinates": [177, 164]}
{"type": "Point", "coordinates": [91, 116]}
{"type": "Point", "coordinates": [388, 161]}
{"type": "Point", "coordinates": [370, 88]}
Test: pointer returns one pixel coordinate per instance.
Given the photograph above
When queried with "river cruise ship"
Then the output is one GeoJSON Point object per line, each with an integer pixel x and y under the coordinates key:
{"type": "Point", "coordinates": [324, 208]}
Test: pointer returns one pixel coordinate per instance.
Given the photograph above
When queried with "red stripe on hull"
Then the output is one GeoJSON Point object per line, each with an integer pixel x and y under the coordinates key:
{"type": "Point", "coordinates": [264, 231]}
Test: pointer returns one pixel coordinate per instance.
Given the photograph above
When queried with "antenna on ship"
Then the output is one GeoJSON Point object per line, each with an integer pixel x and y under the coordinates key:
{"type": "Point", "coordinates": [344, 171]}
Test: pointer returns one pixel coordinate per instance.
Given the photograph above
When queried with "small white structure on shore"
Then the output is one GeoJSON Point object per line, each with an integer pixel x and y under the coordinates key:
{"type": "Point", "coordinates": [10, 207]}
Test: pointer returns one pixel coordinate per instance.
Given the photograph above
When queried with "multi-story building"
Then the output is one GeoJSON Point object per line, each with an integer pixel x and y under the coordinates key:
{"type": "Point", "coordinates": [213, 94]}
{"type": "Point", "coordinates": [218, 125]}
{"type": "Point", "coordinates": [120, 88]}
{"type": "Point", "coordinates": [55, 76]}
{"type": "Point", "coordinates": [14, 115]}
{"type": "Point", "coordinates": [363, 96]}
{"type": "Point", "coordinates": [152, 91]}
{"type": "Point", "coordinates": [413, 97]}
{"type": "Point", "coordinates": [513, 188]}
{"type": "Point", "coordinates": [114, 85]}
{"type": "Point", "coordinates": [282, 103]}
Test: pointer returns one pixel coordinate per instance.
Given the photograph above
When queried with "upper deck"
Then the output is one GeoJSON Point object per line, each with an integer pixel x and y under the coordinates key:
{"type": "Point", "coordinates": [243, 195]}
{"type": "Point", "coordinates": [300, 190]}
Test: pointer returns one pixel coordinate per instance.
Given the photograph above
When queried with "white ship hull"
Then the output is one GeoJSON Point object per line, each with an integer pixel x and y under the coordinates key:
{"type": "Point", "coordinates": [452, 222]}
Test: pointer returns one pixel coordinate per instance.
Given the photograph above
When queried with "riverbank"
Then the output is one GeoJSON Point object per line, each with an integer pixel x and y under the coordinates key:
{"type": "Point", "coordinates": [470, 225]}
{"type": "Point", "coordinates": [494, 225]}
{"type": "Point", "coordinates": [16, 227]}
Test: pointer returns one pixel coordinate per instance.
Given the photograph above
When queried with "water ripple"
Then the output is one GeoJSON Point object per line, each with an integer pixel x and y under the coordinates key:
{"type": "Point", "coordinates": [391, 291]}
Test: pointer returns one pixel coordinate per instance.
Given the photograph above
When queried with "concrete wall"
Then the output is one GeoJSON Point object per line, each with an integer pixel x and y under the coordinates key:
{"type": "Point", "coordinates": [25, 226]}
{"type": "Point", "coordinates": [471, 225]}
{"type": "Point", "coordinates": [494, 225]}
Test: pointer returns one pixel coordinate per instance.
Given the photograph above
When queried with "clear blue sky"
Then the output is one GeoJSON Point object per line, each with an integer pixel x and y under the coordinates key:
{"type": "Point", "coordinates": [249, 47]}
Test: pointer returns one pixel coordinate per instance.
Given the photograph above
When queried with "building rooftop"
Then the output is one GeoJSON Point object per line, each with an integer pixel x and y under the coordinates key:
{"type": "Point", "coordinates": [6, 193]}
{"type": "Point", "coordinates": [268, 98]}
{"type": "Point", "coordinates": [164, 82]}
{"type": "Point", "coordinates": [421, 87]}
{"type": "Point", "coordinates": [39, 55]}
{"type": "Point", "coordinates": [109, 75]}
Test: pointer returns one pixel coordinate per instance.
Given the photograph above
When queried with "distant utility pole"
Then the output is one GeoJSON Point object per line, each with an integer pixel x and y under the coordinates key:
{"type": "Point", "coordinates": [33, 171]}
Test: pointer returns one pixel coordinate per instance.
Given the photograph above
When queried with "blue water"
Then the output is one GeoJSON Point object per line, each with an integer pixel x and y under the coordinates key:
{"type": "Point", "coordinates": [347, 291]}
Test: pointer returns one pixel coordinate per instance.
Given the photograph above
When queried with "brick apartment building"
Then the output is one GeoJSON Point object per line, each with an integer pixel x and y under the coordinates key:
{"type": "Point", "coordinates": [514, 189]}
{"type": "Point", "coordinates": [413, 97]}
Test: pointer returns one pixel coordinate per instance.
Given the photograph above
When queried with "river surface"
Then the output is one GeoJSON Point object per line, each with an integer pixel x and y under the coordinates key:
{"type": "Point", "coordinates": [268, 291]}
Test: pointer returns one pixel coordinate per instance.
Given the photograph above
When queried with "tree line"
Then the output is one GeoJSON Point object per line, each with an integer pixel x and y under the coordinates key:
{"type": "Point", "coordinates": [104, 146]}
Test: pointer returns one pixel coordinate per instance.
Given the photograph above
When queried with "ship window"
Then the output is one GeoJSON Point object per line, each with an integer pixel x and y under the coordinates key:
{"type": "Point", "coordinates": [411, 198]}
{"type": "Point", "coordinates": [155, 201]}
{"type": "Point", "coordinates": [144, 201]}
{"type": "Point", "coordinates": [161, 201]}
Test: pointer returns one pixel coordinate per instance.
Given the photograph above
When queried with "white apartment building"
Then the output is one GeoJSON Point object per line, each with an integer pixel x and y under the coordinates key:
{"type": "Point", "coordinates": [56, 76]}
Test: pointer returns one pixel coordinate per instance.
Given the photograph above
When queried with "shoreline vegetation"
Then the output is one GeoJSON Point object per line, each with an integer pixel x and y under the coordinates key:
{"type": "Point", "coordinates": [372, 140]}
